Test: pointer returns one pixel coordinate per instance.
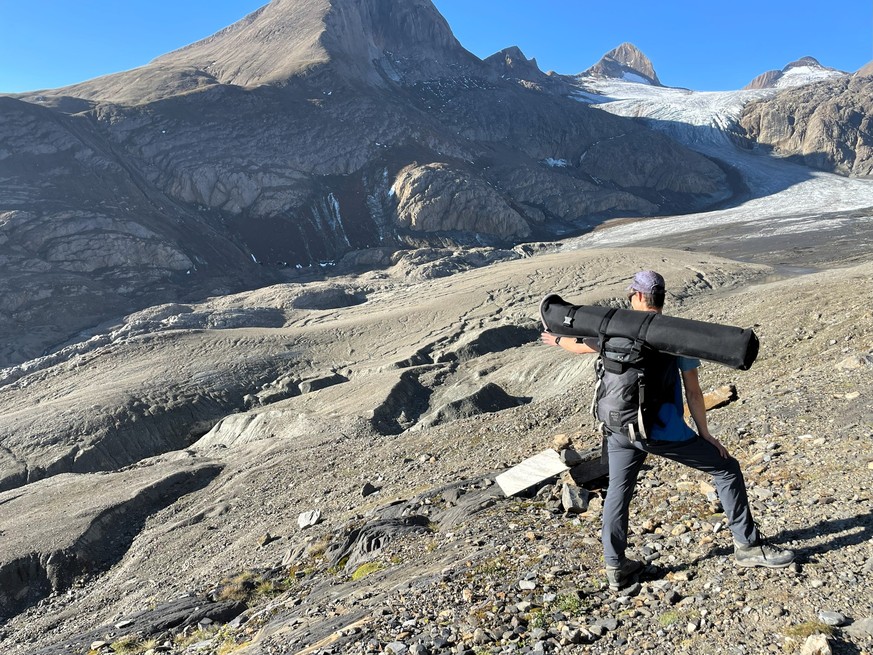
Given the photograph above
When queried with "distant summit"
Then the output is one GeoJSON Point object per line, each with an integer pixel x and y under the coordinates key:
{"type": "Point", "coordinates": [375, 41]}
{"type": "Point", "coordinates": [626, 62]}
{"type": "Point", "coordinates": [797, 73]}
{"type": "Point", "coordinates": [511, 64]}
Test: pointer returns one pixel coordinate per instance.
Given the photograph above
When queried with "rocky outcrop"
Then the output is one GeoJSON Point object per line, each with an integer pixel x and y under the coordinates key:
{"type": "Point", "coordinates": [827, 125]}
{"type": "Point", "coordinates": [435, 198]}
{"type": "Point", "coordinates": [626, 62]}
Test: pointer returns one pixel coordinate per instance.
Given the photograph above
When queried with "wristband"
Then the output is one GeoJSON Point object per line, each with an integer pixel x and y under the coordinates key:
{"type": "Point", "coordinates": [557, 341]}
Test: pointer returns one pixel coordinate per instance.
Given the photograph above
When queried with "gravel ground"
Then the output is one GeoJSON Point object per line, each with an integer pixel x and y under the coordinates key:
{"type": "Point", "coordinates": [481, 573]}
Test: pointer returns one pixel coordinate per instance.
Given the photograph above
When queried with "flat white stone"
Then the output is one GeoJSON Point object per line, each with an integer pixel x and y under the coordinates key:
{"type": "Point", "coordinates": [308, 519]}
{"type": "Point", "coordinates": [531, 471]}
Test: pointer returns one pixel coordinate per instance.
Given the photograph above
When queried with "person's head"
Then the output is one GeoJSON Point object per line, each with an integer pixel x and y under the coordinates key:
{"type": "Point", "coordinates": [647, 291]}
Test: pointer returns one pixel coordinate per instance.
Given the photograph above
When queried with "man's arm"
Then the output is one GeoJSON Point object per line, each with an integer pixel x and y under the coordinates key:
{"type": "Point", "coordinates": [694, 398]}
{"type": "Point", "coordinates": [570, 344]}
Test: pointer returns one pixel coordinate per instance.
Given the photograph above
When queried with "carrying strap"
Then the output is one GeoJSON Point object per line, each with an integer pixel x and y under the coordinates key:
{"type": "Point", "coordinates": [604, 323]}
{"type": "Point", "coordinates": [642, 333]}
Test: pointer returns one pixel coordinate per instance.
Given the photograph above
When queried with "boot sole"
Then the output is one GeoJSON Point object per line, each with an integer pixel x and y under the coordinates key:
{"type": "Point", "coordinates": [751, 565]}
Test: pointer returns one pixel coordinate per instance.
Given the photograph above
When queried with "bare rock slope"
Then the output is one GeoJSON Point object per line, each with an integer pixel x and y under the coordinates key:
{"type": "Point", "coordinates": [399, 398]}
{"type": "Point", "coordinates": [827, 125]}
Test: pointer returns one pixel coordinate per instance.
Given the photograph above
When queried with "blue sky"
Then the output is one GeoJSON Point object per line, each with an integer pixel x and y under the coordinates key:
{"type": "Point", "coordinates": [699, 45]}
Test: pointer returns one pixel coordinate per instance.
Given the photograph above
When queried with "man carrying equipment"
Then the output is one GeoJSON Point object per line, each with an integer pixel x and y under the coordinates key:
{"type": "Point", "coordinates": [638, 404]}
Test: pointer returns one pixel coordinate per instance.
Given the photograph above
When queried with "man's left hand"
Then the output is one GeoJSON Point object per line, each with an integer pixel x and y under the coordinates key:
{"type": "Point", "coordinates": [719, 446]}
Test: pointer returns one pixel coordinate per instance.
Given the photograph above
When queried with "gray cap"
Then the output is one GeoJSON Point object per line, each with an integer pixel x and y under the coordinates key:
{"type": "Point", "coordinates": [648, 282]}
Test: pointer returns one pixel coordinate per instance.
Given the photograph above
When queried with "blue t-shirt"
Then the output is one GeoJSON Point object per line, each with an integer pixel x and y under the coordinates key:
{"type": "Point", "coordinates": [671, 425]}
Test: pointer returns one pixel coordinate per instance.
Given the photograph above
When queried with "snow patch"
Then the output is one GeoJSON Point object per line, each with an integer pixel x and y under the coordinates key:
{"type": "Point", "coordinates": [555, 163]}
{"type": "Point", "coordinates": [800, 75]}
{"type": "Point", "coordinates": [627, 76]}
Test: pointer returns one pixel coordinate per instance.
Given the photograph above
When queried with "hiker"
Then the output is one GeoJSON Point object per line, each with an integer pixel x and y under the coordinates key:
{"type": "Point", "coordinates": [668, 436]}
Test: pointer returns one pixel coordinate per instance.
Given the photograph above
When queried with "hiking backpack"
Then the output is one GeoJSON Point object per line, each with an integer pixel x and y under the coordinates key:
{"type": "Point", "coordinates": [633, 382]}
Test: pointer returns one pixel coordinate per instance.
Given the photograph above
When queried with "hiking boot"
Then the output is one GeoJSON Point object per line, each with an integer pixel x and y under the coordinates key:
{"type": "Point", "coordinates": [762, 554]}
{"type": "Point", "coordinates": [618, 576]}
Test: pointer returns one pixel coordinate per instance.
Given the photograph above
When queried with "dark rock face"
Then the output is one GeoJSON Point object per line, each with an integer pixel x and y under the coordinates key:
{"type": "Point", "coordinates": [828, 125]}
{"type": "Point", "coordinates": [309, 130]}
{"type": "Point", "coordinates": [625, 62]}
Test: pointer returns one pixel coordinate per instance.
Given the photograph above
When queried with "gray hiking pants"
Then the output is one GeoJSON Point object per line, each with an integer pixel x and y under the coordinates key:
{"type": "Point", "coordinates": [625, 461]}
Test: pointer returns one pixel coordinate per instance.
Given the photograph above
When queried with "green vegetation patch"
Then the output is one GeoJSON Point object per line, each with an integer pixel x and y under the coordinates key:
{"type": "Point", "coordinates": [366, 569]}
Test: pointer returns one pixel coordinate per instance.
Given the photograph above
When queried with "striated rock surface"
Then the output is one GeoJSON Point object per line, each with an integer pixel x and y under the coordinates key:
{"type": "Point", "coordinates": [57, 530]}
{"type": "Point", "coordinates": [827, 125]}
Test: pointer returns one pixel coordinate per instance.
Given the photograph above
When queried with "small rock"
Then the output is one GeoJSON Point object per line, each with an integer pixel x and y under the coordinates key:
{"type": "Point", "coordinates": [597, 630]}
{"type": "Point", "coordinates": [397, 647]}
{"type": "Point", "coordinates": [481, 637]}
{"type": "Point", "coordinates": [527, 585]}
{"type": "Point", "coordinates": [574, 499]}
{"type": "Point", "coordinates": [816, 645]}
{"type": "Point", "coordinates": [608, 624]}
{"type": "Point", "coordinates": [368, 489]}
{"type": "Point", "coordinates": [97, 645]}
{"type": "Point", "coordinates": [561, 442]}
{"type": "Point", "coordinates": [570, 457]}
{"type": "Point", "coordinates": [266, 539]}
{"type": "Point", "coordinates": [831, 618]}
{"type": "Point", "coordinates": [308, 519]}
{"type": "Point", "coordinates": [572, 635]}
{"type": "Point", "coordinates": [762, 494]}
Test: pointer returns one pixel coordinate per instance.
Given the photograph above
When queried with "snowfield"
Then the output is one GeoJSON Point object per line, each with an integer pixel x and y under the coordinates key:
{"type": "Point", "coordinates": [786, 199]}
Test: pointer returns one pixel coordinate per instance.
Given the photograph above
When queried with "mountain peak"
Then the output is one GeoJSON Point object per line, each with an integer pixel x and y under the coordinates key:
{"type": "Point", "coordinates": [802, 71]}
{"type": "Point", "coordinates": [364, 40]}
{"type": "Point", "coordinates": [369, 38]}
{"type": "Point", "coordinates": [511, 61]}
{"type": "Point", "coordinates": [626, 62]}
